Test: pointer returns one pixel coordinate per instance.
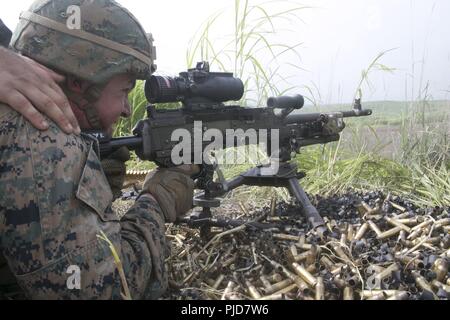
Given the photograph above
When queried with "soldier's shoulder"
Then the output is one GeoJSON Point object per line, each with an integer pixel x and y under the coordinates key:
{"type": "Point", "coordinates": [6, 110]}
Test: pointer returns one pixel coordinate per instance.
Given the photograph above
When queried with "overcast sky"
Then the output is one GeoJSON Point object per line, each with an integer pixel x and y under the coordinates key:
{"type": "Point", "coordinates": [340, 39]}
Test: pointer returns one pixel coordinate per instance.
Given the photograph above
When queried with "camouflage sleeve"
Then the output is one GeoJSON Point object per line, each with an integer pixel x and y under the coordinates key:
{"type": "Point", "coordinates": [55, 202]}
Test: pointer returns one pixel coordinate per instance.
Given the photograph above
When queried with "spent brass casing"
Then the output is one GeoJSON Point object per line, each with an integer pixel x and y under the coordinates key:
{"type": "Point", "coordinates": [304, 274]}
{"type": "Point", "coordinates": [439, 285]}
{"type": "Point", "coordinates": [287, 237]}
{"type": "Point", "coordinates": [410, 221]}
{"type": "Point", "coordinates": [253, 292]}
{"type": "Point", "coordinates": [348, 294]}
{"type": "Point", "coordinates": [301, 257]}
{"type": "Point", "coordinates": [387, 272]}
{"type": "Point", "coordinates": [339, 282]}
{"type": "Point", "coordinates": [343, 239]}
{"type": "Point", "coordinates": [265, 282]}
{"type": "Point", "coordinates": [228, 290]}
{"type": "Point", "coordinates": [401, 295]}
{"type": "Point", "coordinates": [442, 222]}
{"type": "Point", "coordinates": [401, 216]}
{"type": "Point", "coordinates": [350, 233]}
{"type": "Point", "coordinates": [340, 253]}
{"type": "Point", "coordinates": [313, 252]}
{"type": "Point", "coordinates": [422, 283]}
{"type": "Point", "coordinates": [440, 267]}
{"type": "Point", "coordinates": [278, 286]}
{"type": "Point", "coordinates": [379, 296]}
{"type": "Point", "coordinates": [313, 268]}
{"type": "Point", "coordinates": [272, 297]}
{"type": "Point", "coordinates": [389, 233]}
{"type": "Point", "coordinates": [361, 231]}
{"type": "Point", "coordinates": [402, 237]}
{"type": "Point", "coordinates": [395, 223]}
{"type": "Point", "coordinates": [273, 204]}
{"type": "Point", "coordinates": [398, 207]}
{"type": "Point", "coordinates": [327, 263]}
{"type": "Point", "coordinates": [416, 233]}
{"type": "Point", "coordinates": [287, 289]}
{"type": "Point", "coordinates": [320, 289]}
{"type": "Point", "coordinates": [218, 281]}
{"type": "Point", "coordinates": [276, 277]}
{"type": "Point", "coordinates": [422, 225]}
{"type": "Point", "coordinates": [371, 293]}
{"type": "Point", "coordinates": [374, 227]}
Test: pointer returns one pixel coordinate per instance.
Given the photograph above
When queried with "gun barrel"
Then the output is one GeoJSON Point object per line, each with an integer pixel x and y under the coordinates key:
{"type": "Point", "coordinates": [132, 143]}
{"type": "Point", "coordinates": [308, 117]}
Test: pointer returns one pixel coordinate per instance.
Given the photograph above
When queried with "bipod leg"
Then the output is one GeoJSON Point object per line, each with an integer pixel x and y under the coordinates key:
{"type": "Point", "coordinates": [311, 213]}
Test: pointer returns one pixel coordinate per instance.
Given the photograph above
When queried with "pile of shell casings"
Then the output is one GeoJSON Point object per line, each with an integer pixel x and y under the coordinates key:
{"type": "Point", "coordinates": [377, 249]}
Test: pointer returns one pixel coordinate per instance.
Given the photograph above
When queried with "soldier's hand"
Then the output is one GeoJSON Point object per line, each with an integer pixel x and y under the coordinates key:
{"type": "Point", "coordinates": [173, 189]}
{"type": "Point", "coordinates": [32, 89]}
{"type": "Point", "coordinates": [115, 169]}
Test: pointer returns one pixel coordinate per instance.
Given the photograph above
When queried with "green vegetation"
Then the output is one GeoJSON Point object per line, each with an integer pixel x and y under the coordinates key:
{"type": "Point", "coordinates": [404, 148]}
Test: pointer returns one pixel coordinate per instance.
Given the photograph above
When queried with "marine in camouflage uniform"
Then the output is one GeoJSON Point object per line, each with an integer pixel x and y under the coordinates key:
{"type": "Point", "coordinates": [54, 197]}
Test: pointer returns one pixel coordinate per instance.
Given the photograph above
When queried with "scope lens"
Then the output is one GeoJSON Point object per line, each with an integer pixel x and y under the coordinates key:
{"type": "Point", "coordinates": [161, 89]}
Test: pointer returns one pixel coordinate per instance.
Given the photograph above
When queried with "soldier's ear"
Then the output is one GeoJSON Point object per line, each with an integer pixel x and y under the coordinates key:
{"type": "Point", "coordinates": [76, 85]}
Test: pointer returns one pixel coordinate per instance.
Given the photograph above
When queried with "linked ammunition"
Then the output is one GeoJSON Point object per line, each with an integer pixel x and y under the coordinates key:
{"type": "Point", "coordinates": [320, 289]}
{"type": "Point", "coordinates": [304, 274]}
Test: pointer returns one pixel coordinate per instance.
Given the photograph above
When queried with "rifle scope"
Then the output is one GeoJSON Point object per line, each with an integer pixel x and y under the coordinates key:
{"type": "Point", "coordinates": [195, 85]}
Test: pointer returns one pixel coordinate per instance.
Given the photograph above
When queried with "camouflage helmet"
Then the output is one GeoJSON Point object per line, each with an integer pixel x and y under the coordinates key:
{"type": "Point", "coordinates": [107, 41]}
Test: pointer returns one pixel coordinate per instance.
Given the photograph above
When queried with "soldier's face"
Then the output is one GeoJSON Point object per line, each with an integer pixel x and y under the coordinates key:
{"type": "Point", "coordinates": [113, 102]}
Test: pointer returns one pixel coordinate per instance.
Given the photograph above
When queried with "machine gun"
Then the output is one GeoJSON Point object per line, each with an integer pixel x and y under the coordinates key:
{"type": "Point", "coordinates": [203, 94]}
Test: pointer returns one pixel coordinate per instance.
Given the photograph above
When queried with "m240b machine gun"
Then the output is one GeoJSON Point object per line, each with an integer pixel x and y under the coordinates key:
{"type": "Point", "coordinates": [203, 94]}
